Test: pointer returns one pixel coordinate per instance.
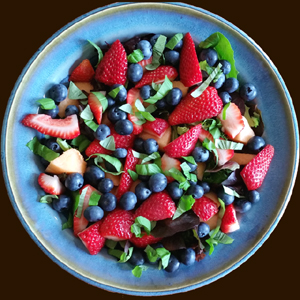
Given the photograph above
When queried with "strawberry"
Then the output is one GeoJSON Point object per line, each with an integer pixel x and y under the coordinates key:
{"type": "Point", "coordinates": [143, 63]}
{"type": "Point", "coordinates": [92, 238]}
{"type": "Point", "coordinates": [158, 206]}
{"type": "Point", "coordinates": [95, 107]}
{"type": "Point", "coordinates": [113, 67]}
{"type": "Point", "coordinates": [84, 72]}
{"type": "Point", "coordinates": [132, 95]}
{"type": "Point", "coordinates": [67, 128]}
{"type": "Point", "coordinates": [167, 163]}
{"type": "Point", "coordinates": [144, 240]}
{"type": "Point", "coordinates": [157, 75]}
{"type": "Point", "coordinates": [205, 208]}
{"type": "Point", "coordinates": [94, 147]}
{"type": "Point", "coordinates": [157, 127]}
{"type": "Point", "coordinates": [117, 225]}
{"type": "Point", "coordinates": [255, 171]}
{"type": "Point", "coordinates": [245, 134]}
{"type": "Point", "coordinates": [190, 109]}
{"type": "Point", "coordinates": [229, 221]}
{"type": "Point", "coordinates": [189, 68]}
{"type": "Point", "coordinates": [126, 180]}
{"type": "Point", "coordinates": [184, 144]}
{"type": "Point", "coordinates": [51, 184]}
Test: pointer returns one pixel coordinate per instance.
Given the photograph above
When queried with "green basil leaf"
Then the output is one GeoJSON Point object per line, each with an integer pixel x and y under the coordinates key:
{"type": "Point", "coordinates": [126, 256]}
{"type": "Point", "coordinates": [150, 157]}
{"type": "Point", "coordinates": [211, 41]}
{"type": "Point", "coordinates": [68, 223]}
{"type": "Point", "coordinates": [139, 105]}
{"type": "Point", "coordinates": [138, 270]}
{"type": "Point", "coordinates": [113, 93]}
{"type": "Point", "coordinates": [224, 110]}
{"type": "Point", "coordinates": [185, 203]}
{"type": "Point", "coordinates": [113, 160]}
{"type": "Point", "coordinates": [91, 124]}
{"type": "Point", "coordinates": [138, 155]}
{"type": "Point", "coordinates": [133, 175]}
{"type": "Point", "coordinates": [127, 108]}
{"type": "Point", "coordinates": [224, 145]}
{"type": "Point", "coordinates": [231, 192]}
{"type": "Point", "coordinates": [48, 198]}
{"type": "Point", "coordinates": [110, 244]}
{"type": "Point", "coordinates": [140, 122]}
{"type": "Point", "coordinates": [81, 142]}
{"type": "Point", "coordinates": [151, 108]}
{"type": "Point", "coordinates": [135, 57]}
{"type": "Point", "coordinates": [87, 114]}
{"type": "Point", "coordinates": [216, 177]}
{"type": "Point", "coordinates": [147, 116]}
{"type": "Point", "coordinates": [102, 99]}
{"type": "Point", "coordinates": [115, 252]}
{"type": "Point", "coordinates": [148, 169]}
{"type": "Point", "coordinates": [144, 223]}
{"type": "Point", "coordinates": [81, 201]}
{"type": "Point", "coordinates": [178, 176]}
{"type": "Point", "coordinates": [189, 159]}
{"type": "Point", "coordinates": [164, 255]}
{"type": "Point", "coordinates": [182, 129]}
{"type": "Point", "coordinates": [75, 93]}
{"type": "Point", "coordinates": [63, 144]}
{"type": "Point", "coordinates": [94, 199]}
{"type": "Point", "coordinates": [174, 41]}
{"type": "Point", "coordinates": [99, 51]}
{"type": "Point", "coordinates": [157, 52]}
{"type": "Point", "coordinates": [151, 254]}
{"type": "Point", "coordinates": [108, 143]}
{"type": "Point", "coordinates": [164, 89]}
{"type": "Point", "coordinates": [47, 103]}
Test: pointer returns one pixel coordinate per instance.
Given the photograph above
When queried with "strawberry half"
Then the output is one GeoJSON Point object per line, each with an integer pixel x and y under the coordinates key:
{"type": "Point", "coordinates": [143, 63]}
{"type": "Point", "coordinates": [157, 127]}
{"type": "Point", "coordinates": [51, 184]}
{"type": "Point", "coordinates": [157, 75]}
{"type": "Point", "coordinates": [189, 68]}
{"type": "Point", "coordinates": [92, 239]}
{"type": "Point", "coordinates": [94, 147]}
{"type": "Point", "coordinates": [113, 67]}
{"type": "Point", "coordinates": [67, 128]}
{"type": "Point", "coordinates": [96, 107]}
{"type": "Point", "coordinates": [145, 240]}
{"type": "Point", "coordinates": [168, 163]}
{"type": "Point", "coordinates": [84, 72]}
{"type": "Point", "coordinates": [184, 144]}
{"type": "Point", "coordinates": [132, 95]}
{"type": "Point", "coordinates": [205, 208]}
{"type": "Point", "coordinates": [190, 109]}
{"type": "Point", "coordinates": [256, 170]}
{"type": "Point", "coordinates": [229, 221]}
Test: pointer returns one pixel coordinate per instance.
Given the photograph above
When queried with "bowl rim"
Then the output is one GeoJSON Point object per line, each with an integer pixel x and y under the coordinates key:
{"type": "Point", "coordinates": [163, 292]}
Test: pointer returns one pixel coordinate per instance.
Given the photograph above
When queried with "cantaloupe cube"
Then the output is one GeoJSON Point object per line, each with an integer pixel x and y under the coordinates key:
{"type": "Point", "coordinates": [200, 170]}
{"type": "Point", "coordinates": [246, 133]}
{"type": "Point", "coordinates": [181, 86]}
{"type": "Point", "coordinates": [162, 142]}
{"type": "Point", "coordinates": [242, 158]}
{"type": "Point", "coordinates": [213, 221]}
{"type": "Point", "coordinates": [213, 196]}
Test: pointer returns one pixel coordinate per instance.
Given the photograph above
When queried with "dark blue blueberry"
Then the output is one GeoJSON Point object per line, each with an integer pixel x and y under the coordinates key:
{"type": "Point", "coordinates": [173, 264]}
{"type": "Point", "coordinates": [210, 55]}
{"type": "Point", "coordinates": [205, 186]}
{"type": "Point", "coordinates": [114, 114]}
{"type": "Point", "coordinates": [58, 92]}
{"type": "Point", "coordinates": [200, 154]}
{"type": "Point", "coordinates": [63, 203]}
{"type": "Point", "coordinates": [128, 201]}
{"type": "Point", "coordinates": [74, 182]}
{"type": "Point", "coordinates": [196, 191]}
{"type": "Point", "coordinates": [174, 191]}
{"type": "Point", "coordinates": [71, 110]}
{"type": "Point", "coordinates": [248, 91]}
{"type": "Point", "coordinates": [174, 96]}
{"type": "Point", "coordinates": [150, 146]}
{"type": "Point", "coordinates": [53, 145]}
{"type": "Point", "coordinates": [178, 46]}
{"type": "Point", "coordinates": [138, 145]}
{"type": "Point", "coordinates": [120, 153]}
{"type": "Point", "coordinates": [110, 101]}
{"type": "Point", "coordinates": [253, 196]}
{"type": "Point", "coordinates": [226, 198]}
{"type": "Point", "coordinates": [161, 104]}
{"type": "Point", "coordinates": [218, 84]}
{"type": "Point", "coordinates": [102, 132]}
{"type": "Point", "coordinates": [105, 185]}
{"type": "Point", "coordinates": [187, 256]}
{"type": "Point", "coordinates": [93, 175]}
{"type": "Point", "coordinates": [144, 177]}
{"type": "Point", "coordinates": [93, 213]}
{"type": "Point", "coordinates": [146, 92]}
{"type": "Point", "coordinates": [154, 39]}
{"type": "Point", "coordinates": [145, 47]}
{"type": "Point", "coordinates": [122, 94]}
{"type": "Point", "coordinates": [203, 230]}
{"type": "Point", "coordinates": [157, 182]}
{"type": "Point", "coordinates": [50, 112]}
{"type": "Point", "coordinates": [191, 182]}
{"type": "Point", "coordinates": [225, 97]}
{"type": "Point", "coordinates": [108, 202]}
{"type": "Point", "coordinates": [142, 191]}
{"type": "Point", "coordinates": [137, 257]}
{"type": "Point", "coordinates": [135, 72]}
{"type": "Point", "coordinates": [172, 58]}
{"type": "Point", "coordinates": [192, 166]}
{"type": "Point", "coordinates": [255, 144]}
{"type": "Point", "coordinates": [44, 162]}
{"type": "Point", "coordinates": [242, 205]}
{"type": "Point", "coordinates": [226, 66]}
{"type": "Point", "coordinates": [123, 127]}
{"type": "Point", "coordinates": [230, 85]}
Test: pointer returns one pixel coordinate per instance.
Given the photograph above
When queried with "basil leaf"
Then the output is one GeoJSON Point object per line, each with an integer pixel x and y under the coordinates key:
{"type": "Point", "coordinates": [110, 244]}
{"type": "Point", "coordinates": [87, 114]}
{"type": "Point", "coordinates": [178, 176]}
{"type": "Point", "coordinates": [102, 99]}
{"type": "Point", "coordinates": [157, 51]}
{"type": "Point", "coordinates": [148, 169]}
{"type": "Point", "coordinates": [135, 56]}
{"type": "Point", "coordinates": [63, 144]}
{"type": "Point", "coordinates": [142, 223]}
{"type": "Point", "coordinates": [151, 254]}
{"type": "Point", "coordinates": [217, 177]}
{"type": "Point", "coordinates": [185, 203]}
{"type": "Point", "coordinates": [174, 41]}
{"type": "Point", "coordinates": [211, 41]}
{"type": "Point", "coordinates": [164, 89]}
{"type": "Point", "coordinates": [138, 155]}
{"type": "Point", "coordinates": [81, 201]}
{"type": "Point", "coordinates": [146, 115]}
{"type": "Point", "coordinates": [181, 130]}
{"type": "Point", "coordinates": [75, 93]}
{"type": "Point", "coordinates": [47, 103]}
{"type": "Point", "coordinates": [108, 143]}
{"type": "Point", "coordinates": [68, 223]}
{"type": "Point", "coordinates": [133, 175]}
{"type": "Point", "coordinates": [91, 124]}
{"type": "Point", "coordinates": [126, 256]}
{"type": "Point", "coordinates": [231, 192]}
{"type": "Point", "coordinates": [224, 111]}
{"type": "Point", "coordinates": [99, 51]}
{"type": "Point", "coordinates": [150, 157]}
{"type": "Point", "coordinates": [81, 142]}
{"type": "Point", "coordinates": [139, 105]}
{"type": "Point", "coordinates": [115, 252]}
{"type": "Point", "coordinates": [113, 160]}
{"type": "Point", "coordinates": [224, 145]}
{"type": "Point", "coordinates": [210, 146]}
{"type": "Point", "coordinates": [155, 86]}
{"type": "Point", "coordinates": [140, 122]}
{"type": "Point", "coordinates": [48, 198]}
{"type": "Point", "coordinates": [113, 93]}
{"type": "Point", "coordinates": [138, 270]}
{"type": "Point", "coordinates": [189, 159]}
{"type": "Point", "coordinates": [94, 199]}
{"type": "Point", "coordinates": [127, 108]}
{"type": "Point", "coordinates": [164, 255]}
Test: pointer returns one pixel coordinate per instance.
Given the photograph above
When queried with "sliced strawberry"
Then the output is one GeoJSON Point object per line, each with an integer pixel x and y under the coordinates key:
{"type": "Point", "coordinates": [96, 107]}
{"type": "Point", "coordinates": [94, 147]}
{"type": "Point", "coordinates": [84, 72]}
{"type": "Point", "coordinates": [113, 67]}
{"type": "Point", "coordinates": [145, 240]}
{"type": "Point", "coordinates": [157, 127]}
{"type": "Point", "coordinates": [158, 206]}
{"type": "Point", "coordinates": [145, 62]}
{"type": "Point", "coordinates": [67, 128]}
{"type": "Point", "coordinates": [205, 208]}
{"type": "Point", "coordinates": [184, 144]}
{"type": "Point", "coordinates": [117, 225]}
{"type": "Point", "coordinates": [51, 184]}
{"type": "Point", "coordinates": [190, 109]}
{"type": "Point", "coordinates": [229, 221]}
{"type": "Point", "coordinates": [92, 239]}
{"type": "Point", "coordinates": [256, 170]}
{"type": "Point", "coordinates": [122, 141]}
{"type": "Point", "coordinates": [245, 134]}
{"type": "Point", "coordinates": [168, 163]}
{"type": "Point", "coordinates": [157, 76]}
{"type": "Point", "coordinates": [189, 68]}
{"type": "Point", "coordinates": [132, 95]}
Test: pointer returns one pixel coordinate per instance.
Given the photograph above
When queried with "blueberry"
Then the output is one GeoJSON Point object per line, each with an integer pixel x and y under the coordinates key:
{"type": "Point", "coordinates": [248, 91]}
{"type": "Point", "coordinates": [137, 257]}
{"type": "Point", "coordinates": [172, 58]}
{"type": "Point", "coordinates": [158, 182]}
{"type": "Point", "coordinates": [203, 230]}
{"type": "Point", "coordinates": [196, 191]}
{"type": "Point", "coordinates": [173, 264]}
{"type": "Point", "coordinates": [242, 205]}
{"type": "Point", "coordinates": [150, 146]}
{"type": "Point", "coordinates": [122, 94]}
{"type": "Point", "coordinates": [174, 96]}
{"type": "Point", "coordinates": [220, 81]}
{"type": "Point", "coordinates": [74, 181]}
{"type": "Point", "coordinates": [144, 177]}
{"type": "Point", "coordinates": [138, 145]}
{"type": "Point", "coordinates": [128, 201]}
{"type": "Point", "coordinates": [145, 47]}
{"type": "Point", "coordinates": [210, 55]}
{"type": "Point", "coordinates": [154, 39]}
{"type": "Point", "coordinates": [225, 97]}
{"type": "Point", "coordinates": [50, 112]}
{"type": "Point", "coordinates": [135, 73]}
{"type": "Point", "coordinates": [161, 104]}
{"type": "Point", "coordinates": [200, 154]}
{"type": "Point", "coordinates": [174, 191]}
{"type": "Point", "coordinates": [255, 144]}
{"type": "Point", "coordinates": [142, 191]}
{"type": "Point", "coordinates": [71, 110]}
{"type": "Point", "coordinates": [93, 175]}
{"type": "Point", "coordinates": [253, 196]}
{"type": "Point", "coordinates": [63, 203]}
{"type": "Point", "coordinates": [226, 198]}
{"type": "Point", "coordinates": [120, 153]}
{"type": "Point", "coordinates": [230, 85]}
{"type": "Point", "coordinates": [108, 202]}
{"type": "Point", "coordinates": [93, 213]}
{"type": "Point", "coordinates": [226, 66]}
{"type": "Point", "coordinates": [191, 182]}
{"type": "Point", "coordinates": [192, 166]}
{"type": "Point", "coordinates": [102, 132]}
{"type": "Point", "coordinates": [187, 256]}
{"type": "Point", "coordinates": [205, 186]}
{"type": "Point", "coordinates": [146, 92]}
{"type": "Point", "coordinates": [52, 144]}
{"type": "Point", "coordinates": [105, 185]}
{"type": "Point", "coordinates": [110, 101]}
{"type": "Point", "coordinates": [178, 46]}
{"type": "Point", "coordinates": [114, 114]}
{"type": "Point", "coordinates": [58, 92]}
{"type": "Point", "coordinates": [44, 162]}
{"type": "Point", "coordinates": [123, 127]}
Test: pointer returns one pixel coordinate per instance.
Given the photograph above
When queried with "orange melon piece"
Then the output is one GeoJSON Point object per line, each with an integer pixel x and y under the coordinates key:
{"type": "Point", "coordinates": [242, 158]}
{"type": "Point", "coordinates": [181, 86]}
{"type": "Point", "coordinates": [246, 133]}
{"type": "Point", "coordinates": [114, 178]}
{"type": "Point", "coordinates": [71, 161]}
{"type": "Point", "coordinates": [105, 120]}
{"type": "Point", "coordinates": [213, 196]}
{"type": "Point", "coordinates": [162, 142]}
{"type": "Point", "coordinates": [213, 221]}
{"type": "Point", "coordinates": [200, 170]}
{"type": "Point", "coordinates": [134, 184]}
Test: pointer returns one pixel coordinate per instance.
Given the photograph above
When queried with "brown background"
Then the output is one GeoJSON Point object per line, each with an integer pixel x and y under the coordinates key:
{"type": "Point", "coordinates": [27, 271]}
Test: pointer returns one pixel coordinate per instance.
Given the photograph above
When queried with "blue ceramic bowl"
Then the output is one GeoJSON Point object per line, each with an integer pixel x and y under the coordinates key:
{"type": "Point", "coordinates": [53, 62]}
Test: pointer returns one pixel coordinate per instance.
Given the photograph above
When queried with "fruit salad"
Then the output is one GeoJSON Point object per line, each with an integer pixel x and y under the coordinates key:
{"type": "Point", "coordinates": [152, 149]}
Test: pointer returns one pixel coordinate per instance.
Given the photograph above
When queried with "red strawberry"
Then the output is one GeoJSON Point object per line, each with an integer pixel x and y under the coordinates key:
{"type": "Point", "coordinates": [233, 122]}
{"type": "Point", "coordinates": [51, 184]}
{"type": "Point", "coordinates": [117, 225]}
{"type": "Point", "coordinates": [92, 238]}
{"type": "Point", "coordinates": [94, 147]}
{"type": "Point", "coordinates": [113, 67]}
{"type": "Point", "coordinates": [157, 76]}
{"type": "Point", "coordinates": [126, 180]}
{"type": "Point", "coordinates": [255, 171]}
{"type": "Point", "coordinates": [144, 240]}
{"type": "Point", "coordinates": [157, 127]}
{"type": "Point", "coordinates": [132, 95]}
{"type": "Point", "coordinates": [145, 62]}
{"type": "Point", "coordinates": [84, 72]}
{"type": "Point", "coordinates": [205, 208]}
{"type": "Point", "coordinates": [184, 144]}
{"type": "Point", "coordinates": [158, 206]}
{"type": "Point", "coordinates": [96, 107]}
{"type": "Point", "coordinates": [191, 109]}
{"type": "Point", "coordinates": [229, 221]}
{"type": "Point", "coordinates": [189, 68]}
{"type": "Point", "coordinates": [67, 128]}
{"type": "Point", "coordinates": [167, 163]}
